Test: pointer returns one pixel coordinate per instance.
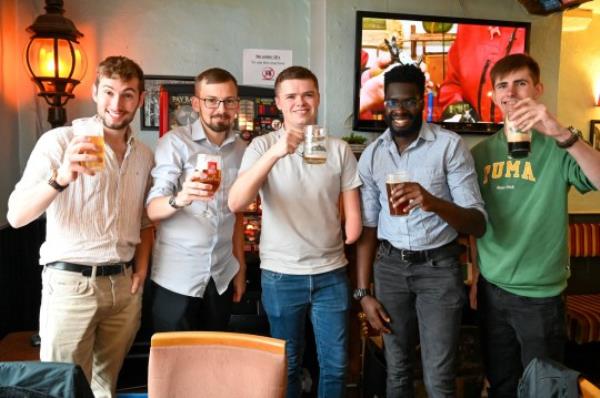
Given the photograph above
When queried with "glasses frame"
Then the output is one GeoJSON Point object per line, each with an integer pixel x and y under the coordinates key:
{"type": "Point", "coordinates": [407, 103]}
{"type": "Point", "coordinates": [232, 101]}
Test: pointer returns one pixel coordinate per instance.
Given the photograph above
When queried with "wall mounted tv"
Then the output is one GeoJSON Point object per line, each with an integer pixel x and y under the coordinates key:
{"type": "Point", "coordinates": [457, 53]}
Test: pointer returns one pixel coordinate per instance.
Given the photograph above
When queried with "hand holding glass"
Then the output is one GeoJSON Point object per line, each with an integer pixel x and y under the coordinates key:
{"type": "Point", "coordinates": [519, 142]}
{"type": "Point", "coordinates": [93, 129]}
{"type": "Point", "coordinates": [315, 144]}
{"type": "Point", "coordinates": [210, 167]}
{"type": "Point", "coordinates": [393, 180]}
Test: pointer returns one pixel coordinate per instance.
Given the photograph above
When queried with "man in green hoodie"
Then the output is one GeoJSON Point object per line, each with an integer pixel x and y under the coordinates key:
{"type": "Point", "coordinates": [523, 256]}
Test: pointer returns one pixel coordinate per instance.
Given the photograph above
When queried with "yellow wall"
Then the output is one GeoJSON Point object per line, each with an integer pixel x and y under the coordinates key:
{"type": "Point", "coordinates": [579, 79]}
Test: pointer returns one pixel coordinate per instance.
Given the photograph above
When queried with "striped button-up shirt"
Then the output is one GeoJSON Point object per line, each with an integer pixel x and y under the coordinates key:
{"type": "Point", "coordinates": [97, 219]}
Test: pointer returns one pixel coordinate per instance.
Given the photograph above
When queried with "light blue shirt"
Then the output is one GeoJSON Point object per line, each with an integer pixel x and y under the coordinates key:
{"type": "Point", "coordinates": [441, 162]}
{"type": "Point", "coordinates": [191, 248]}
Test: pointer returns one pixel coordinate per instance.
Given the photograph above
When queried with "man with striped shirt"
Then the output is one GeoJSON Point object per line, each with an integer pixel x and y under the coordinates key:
{"type": "Point", "coordinates": [98, 239]}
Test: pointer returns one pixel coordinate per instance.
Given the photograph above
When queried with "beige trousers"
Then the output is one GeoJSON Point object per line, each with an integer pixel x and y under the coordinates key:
{"type": "Point", "coordinates": [90, 321]}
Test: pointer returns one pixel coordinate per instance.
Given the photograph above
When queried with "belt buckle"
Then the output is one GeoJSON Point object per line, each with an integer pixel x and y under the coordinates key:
{"type": "Point", "coordinates": [410, 256]}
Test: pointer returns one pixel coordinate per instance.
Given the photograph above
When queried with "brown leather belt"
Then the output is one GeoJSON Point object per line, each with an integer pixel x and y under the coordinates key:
{"type": "Point", "coordinates": [86, 270]}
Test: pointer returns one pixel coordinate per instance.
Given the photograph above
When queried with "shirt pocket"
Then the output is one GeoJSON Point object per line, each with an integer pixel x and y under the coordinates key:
{"type": "Point", "coordinates": [432, 179]}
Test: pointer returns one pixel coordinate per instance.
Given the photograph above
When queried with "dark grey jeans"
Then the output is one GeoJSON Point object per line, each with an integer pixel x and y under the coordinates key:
{"type": "Point", "coordinates": [429, 295]}
{"type": "Point", "coordinates": [514, 330]}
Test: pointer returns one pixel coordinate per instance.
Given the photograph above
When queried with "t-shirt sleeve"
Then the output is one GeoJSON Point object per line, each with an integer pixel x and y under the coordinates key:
{"type": "Point", "coordinates": [253, 152]}
{"type": "Point", "coordinates": [350, 178]}
{"type": "Point", "coordinates": [574, 175]}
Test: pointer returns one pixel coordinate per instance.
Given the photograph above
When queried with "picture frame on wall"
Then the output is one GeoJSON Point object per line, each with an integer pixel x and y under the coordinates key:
{"type": "Point", "coordinates": [595, 133]}
{"type": "Point", "coordinates": [150, 114]}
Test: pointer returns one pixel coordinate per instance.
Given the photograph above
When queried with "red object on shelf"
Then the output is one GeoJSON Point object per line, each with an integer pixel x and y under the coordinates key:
{"type": "Point", "coordinates": [163, 103]}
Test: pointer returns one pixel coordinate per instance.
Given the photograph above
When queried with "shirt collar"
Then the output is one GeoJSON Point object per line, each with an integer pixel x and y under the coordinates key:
{"type": "Point", "coordinates": [426, 133]}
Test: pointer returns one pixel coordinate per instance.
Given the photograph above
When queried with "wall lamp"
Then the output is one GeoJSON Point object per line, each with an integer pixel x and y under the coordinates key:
{"type": "Point", "coordinates": [55, 60]}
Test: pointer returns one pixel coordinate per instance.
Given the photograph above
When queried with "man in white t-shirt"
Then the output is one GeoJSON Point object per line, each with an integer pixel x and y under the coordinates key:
{"type": "Point", "coordinates": [301, 245]}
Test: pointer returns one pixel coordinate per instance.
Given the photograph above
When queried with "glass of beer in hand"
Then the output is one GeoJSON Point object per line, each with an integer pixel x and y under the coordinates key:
{"type": "Point", "coordinates": [93, 129]}
{"type": "Point", "coordinates": [393, 180]}
{"type": "Point", "coordinates": [210, 167]}
{"type": "Point", "coordinates": [519, 141]}
{"type": "Point", "coordinates": [315, 144]}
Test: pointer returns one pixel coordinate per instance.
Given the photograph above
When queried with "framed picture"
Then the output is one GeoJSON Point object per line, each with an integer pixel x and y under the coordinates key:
{"type": "Point", "coordinates": [179, 106]}
{"type": "Point", "coordinates": [149, 116]}
{"type": "Point", "coordinates": [595, 133]}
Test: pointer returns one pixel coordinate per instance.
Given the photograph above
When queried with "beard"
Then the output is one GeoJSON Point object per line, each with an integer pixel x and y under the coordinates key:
{"type": "Point", "coordinates": [414, 124]}
{"type": "Point", "coordinates": [219, 123]}
{"type": "Point", "coordinates": [117, 125]}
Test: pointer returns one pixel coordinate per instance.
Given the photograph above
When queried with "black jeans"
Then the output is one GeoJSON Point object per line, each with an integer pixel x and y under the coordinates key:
{"type": "Point", "coordinates": [515, 330]}
{"type": "Point", "coordinates": [173, 312]}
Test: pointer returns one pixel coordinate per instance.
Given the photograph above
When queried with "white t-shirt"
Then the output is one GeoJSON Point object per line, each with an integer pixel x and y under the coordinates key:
{"type": "Point", "coordinates": [301, 226]}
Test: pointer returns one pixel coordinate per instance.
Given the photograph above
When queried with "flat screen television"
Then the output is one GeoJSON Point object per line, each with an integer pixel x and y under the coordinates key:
{"type": "Point", "coordinates": [457, 54]}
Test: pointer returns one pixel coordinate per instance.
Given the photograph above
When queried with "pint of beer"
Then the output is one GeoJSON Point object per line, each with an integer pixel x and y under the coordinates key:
{"type": "Point", "coordinates": [92, 128]}
{"type": "Point", "coordinates": [392, 180]}
{"type": "Point", "coordinates": [519, 142]}
{"type": "Point", "coordinates": [315, 144]}
{"type": "Point", "coordinates": [210, 166]}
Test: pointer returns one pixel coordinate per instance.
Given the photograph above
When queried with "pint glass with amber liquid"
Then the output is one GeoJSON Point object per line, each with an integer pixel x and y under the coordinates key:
{"type": "Point", "coordinates": [94, 130]}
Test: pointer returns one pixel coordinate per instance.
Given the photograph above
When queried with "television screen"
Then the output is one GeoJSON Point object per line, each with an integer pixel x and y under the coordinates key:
{"type": "Point", "coordinates": [456, 54]}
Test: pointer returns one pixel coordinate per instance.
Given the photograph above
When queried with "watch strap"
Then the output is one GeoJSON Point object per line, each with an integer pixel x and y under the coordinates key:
{"type": "Point", "coordinates": [575, 136]}
{"type": "Point", "coordinates": [54, 184]}
{"type": "Point", "coordinates": [173, 203]}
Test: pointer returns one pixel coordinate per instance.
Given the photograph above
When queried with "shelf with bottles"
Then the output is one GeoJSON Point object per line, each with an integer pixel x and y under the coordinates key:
{"type": "Point", "coordinates": [258, 116]}
{"type": "Point", "coordinates": [252, 216]}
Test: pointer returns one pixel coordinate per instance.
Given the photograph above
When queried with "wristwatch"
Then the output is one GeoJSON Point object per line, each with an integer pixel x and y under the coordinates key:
{"type": "Point", "coordinates": [173, 203]}
{"type": "Point", "coordinates": [575, 136]}
{"type": "Point", "coordinates": [54, 184]}
{"type": "Point", "coordinates": [359, 293]}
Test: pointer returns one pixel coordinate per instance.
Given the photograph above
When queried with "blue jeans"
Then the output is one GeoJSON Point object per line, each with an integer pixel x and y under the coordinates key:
{"type": "Point", "coordinates": [428, 295]}
{"type": "Point", "coordinates": [287, 300]}
{"type": "Point", "coordinates": [514, 330]}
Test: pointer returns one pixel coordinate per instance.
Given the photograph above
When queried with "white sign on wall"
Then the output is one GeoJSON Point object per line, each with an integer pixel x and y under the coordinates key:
{"type": "Point", "coordinates": [261, 67]}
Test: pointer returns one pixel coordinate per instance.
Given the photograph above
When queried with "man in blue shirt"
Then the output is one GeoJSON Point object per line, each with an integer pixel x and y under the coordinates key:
{"type": "Point", "coordinates": [418, 278]}
{"type": "Point", "coordinates": [198, 265]}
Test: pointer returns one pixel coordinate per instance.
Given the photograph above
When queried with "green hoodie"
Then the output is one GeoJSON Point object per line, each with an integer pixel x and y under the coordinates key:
{"type": "Point", "coordinates": [524, 250]}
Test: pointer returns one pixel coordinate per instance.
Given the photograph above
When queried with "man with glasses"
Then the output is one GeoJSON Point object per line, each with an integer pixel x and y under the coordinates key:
{"type": "Point", "coordinates": [418, 278]}
{"type": "Point", "coordinates": [198, 267]}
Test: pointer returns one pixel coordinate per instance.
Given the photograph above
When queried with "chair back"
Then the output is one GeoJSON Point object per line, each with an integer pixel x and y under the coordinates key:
{"type": "Point", "coordinates": [216, 364]}
{"type": "Point", "coordinates": [587, 389]}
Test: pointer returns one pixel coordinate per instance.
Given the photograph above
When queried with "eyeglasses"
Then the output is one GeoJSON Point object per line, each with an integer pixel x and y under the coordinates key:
{"type": "Point", "coordinates": [408, 103]}
{"type": "Point", "coordinates": [213, 103]}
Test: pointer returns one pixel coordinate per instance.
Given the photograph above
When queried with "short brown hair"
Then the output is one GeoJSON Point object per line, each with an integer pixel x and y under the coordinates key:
{"type": "Point", "coordinates": [120, 67]}
{"type": "Point", "coordinates": [512, 63]}
{"type": "Point", "coordinates": [215, 75]}
{"type": "Point", "coordinates": [295, 73]}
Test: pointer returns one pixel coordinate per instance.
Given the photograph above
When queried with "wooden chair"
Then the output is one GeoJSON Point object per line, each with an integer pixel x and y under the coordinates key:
{"type": "Point", "coordinates": [587, 389]}
{"type": "Point", "coordinates": [216, 364]}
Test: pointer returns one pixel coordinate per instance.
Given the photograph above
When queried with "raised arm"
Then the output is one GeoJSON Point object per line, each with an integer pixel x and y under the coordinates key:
{"type": "Point", "coordinates": [239, 281]}
{"type": "Point", "coordinates": [27, 204]}
{"type": "Point", "coordinates": [532, 114]}
{"type": "Point", "coordinates": [248, 183]}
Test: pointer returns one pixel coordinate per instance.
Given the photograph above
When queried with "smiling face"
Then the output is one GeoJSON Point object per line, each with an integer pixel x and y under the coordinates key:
{"type": "Point", "coordinates": [117, 101]}
{"type": "Point", "coordinates": [298, 100]}
{"type": "Point", "coordinates": [222, 118]}
{"type": "Point", "coordinates": [515, 85]}
{"type": "Point", "coordinates": [403, 108]}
